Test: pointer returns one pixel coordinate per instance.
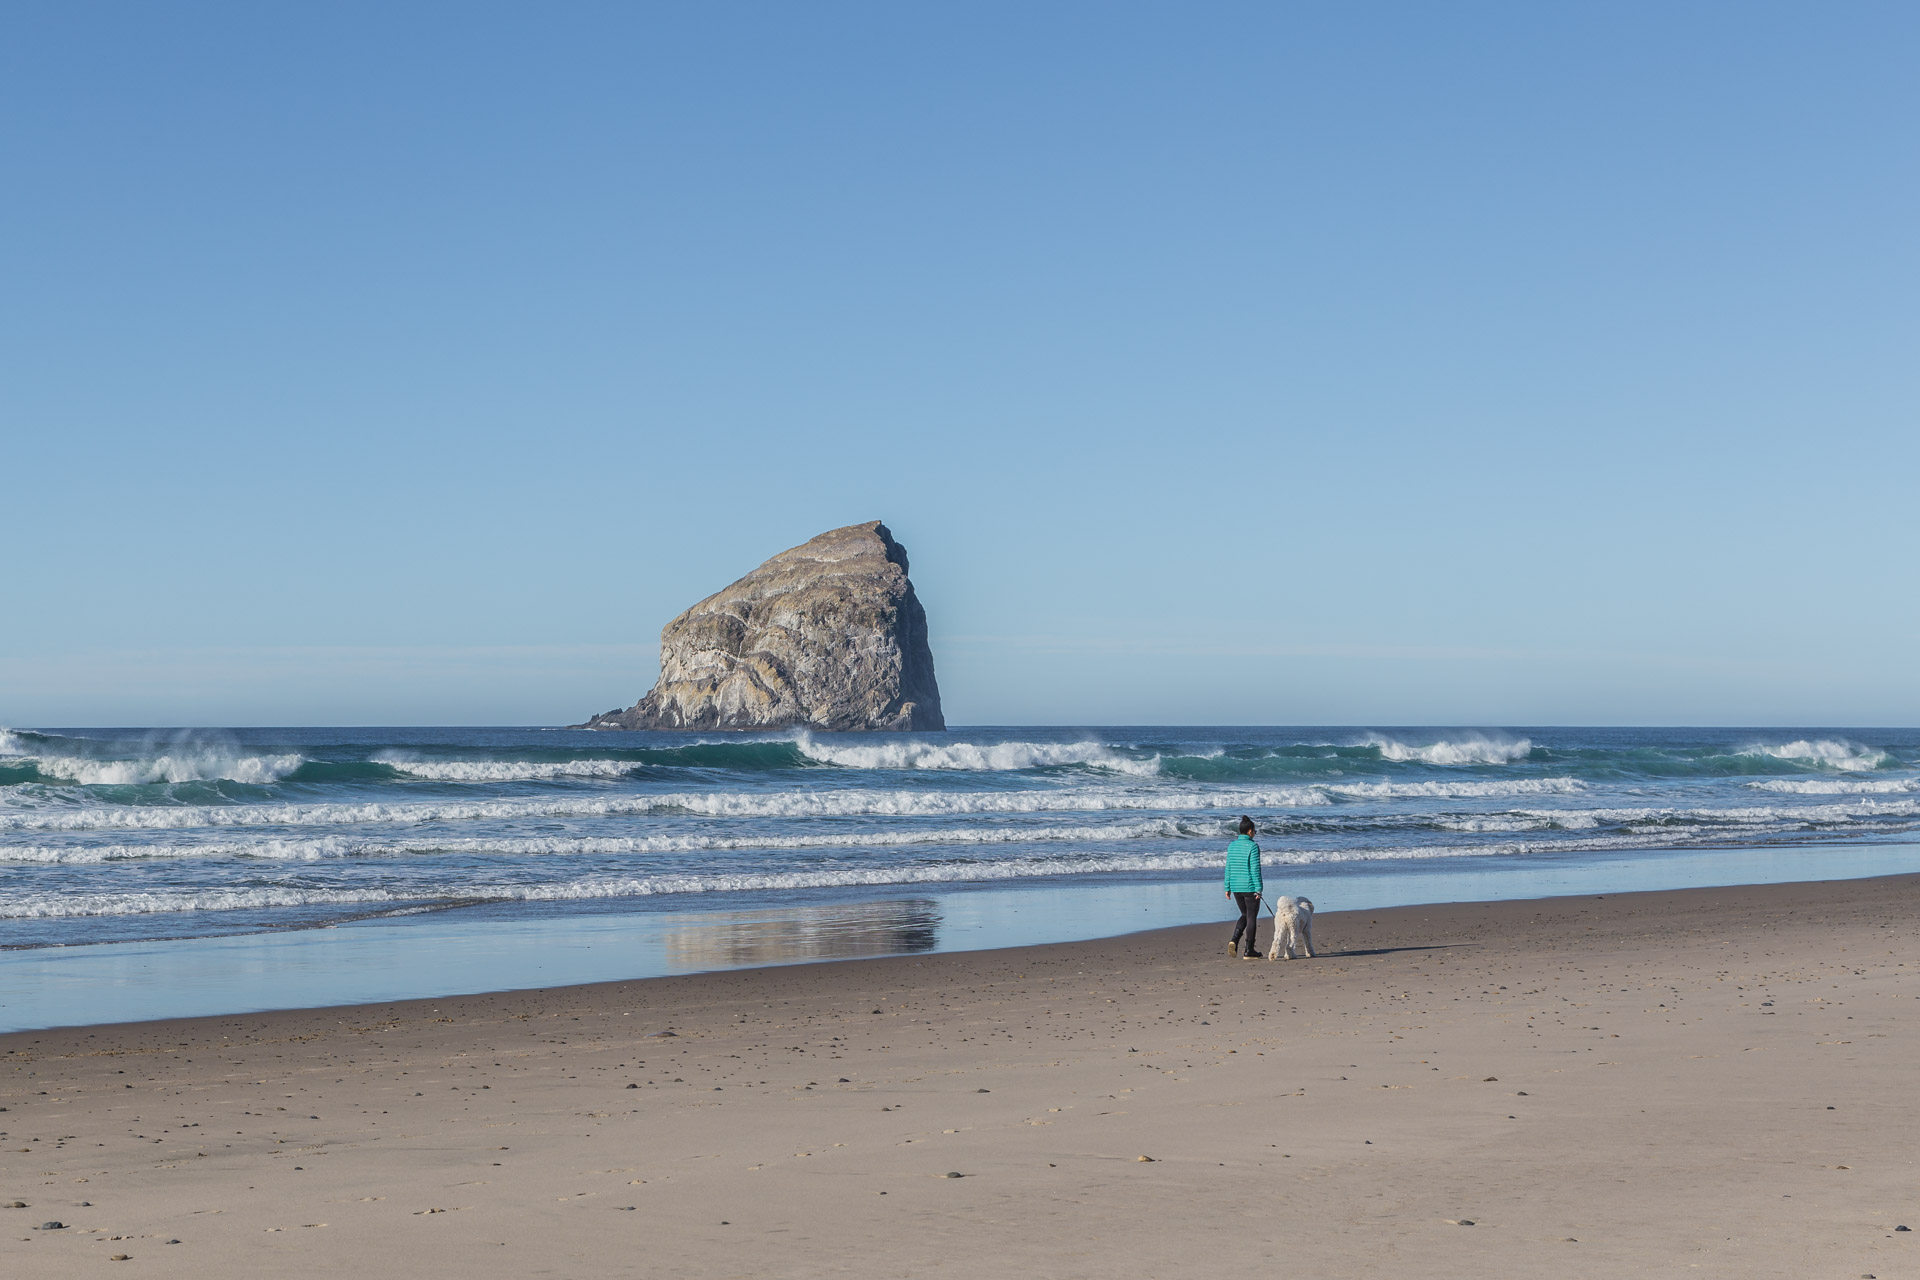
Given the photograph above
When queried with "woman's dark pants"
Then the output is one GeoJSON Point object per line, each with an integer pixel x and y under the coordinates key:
{"type": "Point", "coordinates": [1249, 904]}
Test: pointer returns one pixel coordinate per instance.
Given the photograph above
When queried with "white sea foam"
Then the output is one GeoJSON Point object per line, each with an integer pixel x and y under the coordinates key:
{"type": "Point", "coordinates": [1837, 786]}
{"type": "Point", "coordinates": [718, 804]}
{"type": "Point", "coordinates": [1000, 757]}
{"type": "Point", "coordinates": [299, 849]}
{"type": "Point", "coordinates": [310, 849]}
{"type": "Point", "coordinates": [1825, 753]}
{"type": "Point", "coordinates": [1645, 820]}
{"type": "Point", "coordinates": [852, 802]}
{"type": "Point", "coordinates": [182, 766]}
{"type": "Point", "coordinates": [1572, 820]}
{"type": "Point", "coordinates": [65, 905]}
{"type": "Point", "coordinates": [11, 743]}
{"type": "Point", "coordinates": [1471, 749]}
{"type": "Point", "coordinates": [51, 906]}
{"type": "Point", "coordinates": [1452, 790]}
{"type": "Point", "coordinates": [504, 770]}
{"type": "Point", "coordinates": [1652, 819]}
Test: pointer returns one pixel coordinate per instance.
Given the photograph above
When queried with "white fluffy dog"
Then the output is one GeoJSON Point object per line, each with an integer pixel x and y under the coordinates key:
{"type": "Point", "coordinates": [1292, 926]}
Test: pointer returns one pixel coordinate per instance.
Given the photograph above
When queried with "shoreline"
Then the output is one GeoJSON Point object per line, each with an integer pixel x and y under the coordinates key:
{"type": "Point", "coordinates": [377, 1010]}
{"type": "Point", "coordinates": [442, 955]}
{"type": "Point", "coordinates": [1188, 935]}
{"type": "Point", "coordinates": [1600, 1085]}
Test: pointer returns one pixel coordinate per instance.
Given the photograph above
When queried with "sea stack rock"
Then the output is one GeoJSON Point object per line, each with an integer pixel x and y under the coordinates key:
{"type": "Point", "coordinates": [827, 636]}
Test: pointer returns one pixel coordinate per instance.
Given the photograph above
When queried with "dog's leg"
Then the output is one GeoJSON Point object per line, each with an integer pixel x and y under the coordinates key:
{"type": "Point", "coordinates": [1306, 936]}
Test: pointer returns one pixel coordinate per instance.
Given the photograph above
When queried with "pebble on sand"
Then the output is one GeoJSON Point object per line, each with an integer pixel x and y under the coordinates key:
{"type": "Point", "coordinates": [121, 1257]}
{"type": "Point", "coordinates": [954, 1175]}
{"type": "Point", "coordinates": [53, 1226]}
{"type": "Point", "coordinates": [1144, 1160]}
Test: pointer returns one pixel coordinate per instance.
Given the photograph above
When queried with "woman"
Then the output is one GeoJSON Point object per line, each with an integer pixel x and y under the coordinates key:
{"type": "Point", "coordinates": [1243, 887]}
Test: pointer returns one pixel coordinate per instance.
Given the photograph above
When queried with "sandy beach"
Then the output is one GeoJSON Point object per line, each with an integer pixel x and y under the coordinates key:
{"type": "Point", "coordinates": [1701, 1082]}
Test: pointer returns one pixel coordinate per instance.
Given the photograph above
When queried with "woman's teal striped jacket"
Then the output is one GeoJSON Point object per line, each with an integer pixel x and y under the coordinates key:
{"type": "Point", "coordinates": [1243, 866]}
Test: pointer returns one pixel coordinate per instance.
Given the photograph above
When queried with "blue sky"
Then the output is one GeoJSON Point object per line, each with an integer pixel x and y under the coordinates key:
{"type": "Point", "coordinates": [1316, 363]}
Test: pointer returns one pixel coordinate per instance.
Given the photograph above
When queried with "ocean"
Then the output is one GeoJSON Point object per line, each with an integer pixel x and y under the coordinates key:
{"type": "Point", "coordinates": [113, 836]}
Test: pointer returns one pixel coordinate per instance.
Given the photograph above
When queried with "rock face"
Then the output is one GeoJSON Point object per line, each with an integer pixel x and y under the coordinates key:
{"type": "Point", "coordinates": [828, 636]}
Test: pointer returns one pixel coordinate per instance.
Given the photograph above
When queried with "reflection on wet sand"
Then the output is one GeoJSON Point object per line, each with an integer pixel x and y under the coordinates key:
{"type": "Point", "coordinates": [725, 939]}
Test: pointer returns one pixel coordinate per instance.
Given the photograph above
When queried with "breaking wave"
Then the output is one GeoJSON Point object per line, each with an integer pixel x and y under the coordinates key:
{"type": "Point", "coordinates": [29, 756]}
{"type": "Point", "coordinates": [1006, 757]}
{"type": "Point", "coordinates": [1470, 749]}
{"type": "Point", "coordinates": [505, 770]}
{"type": "Point", "coordinates": [802, 751]}
{"type": "Point", "coordinates": [1002, 757]}
{"type": "Point", "coordinates": [1824, 753]}
{"type": "Point", "coordinates": [202, 766]}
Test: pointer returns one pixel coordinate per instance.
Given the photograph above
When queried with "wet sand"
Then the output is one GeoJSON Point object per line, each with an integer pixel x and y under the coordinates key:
{"type": "Point", "coordinates": [1697, 1082]}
